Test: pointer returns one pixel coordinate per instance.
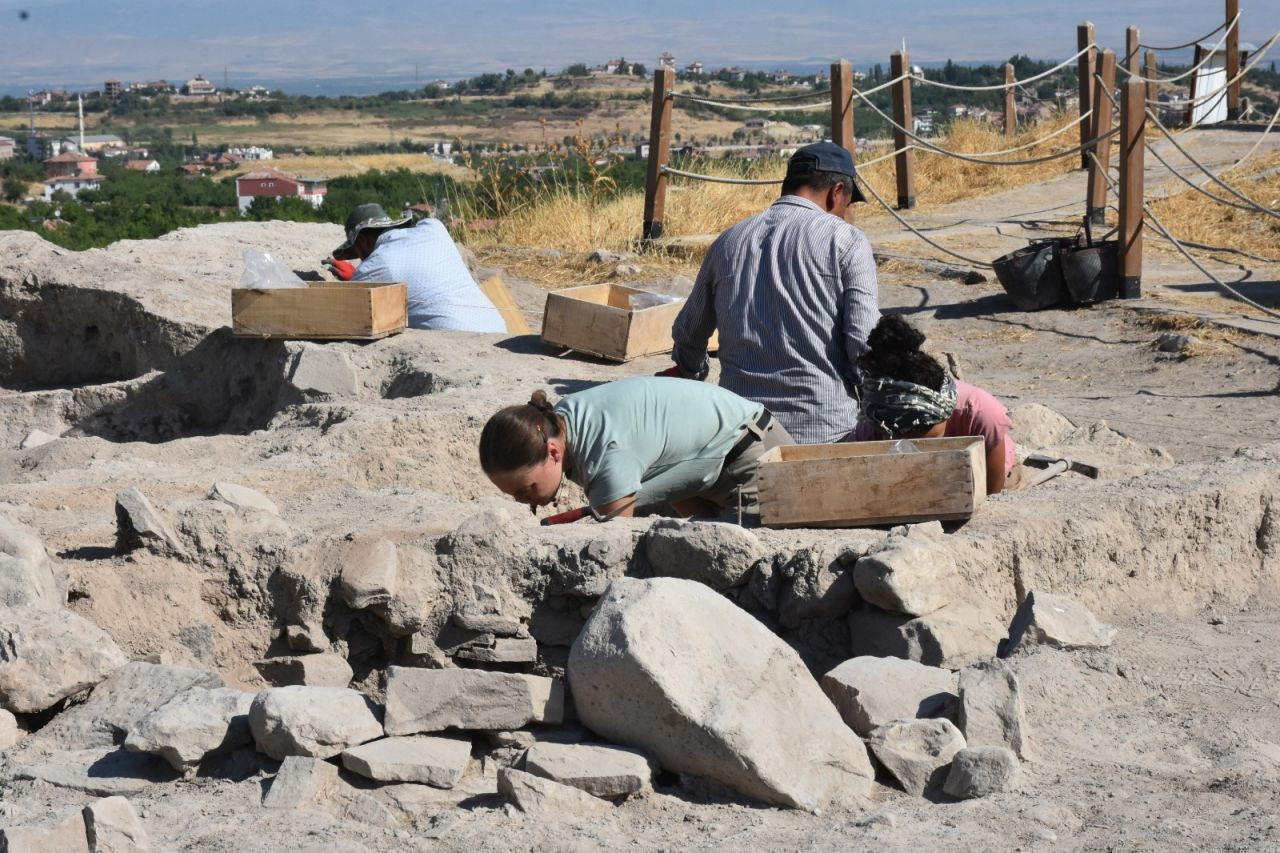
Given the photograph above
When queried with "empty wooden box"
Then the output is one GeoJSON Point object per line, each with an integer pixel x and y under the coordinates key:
{"type": "Point", "coordinates": [336, 310]}
{"type": "Point", "coordinates": [863, 483]}
{"type": "Point", "coordinates": [610, 320]}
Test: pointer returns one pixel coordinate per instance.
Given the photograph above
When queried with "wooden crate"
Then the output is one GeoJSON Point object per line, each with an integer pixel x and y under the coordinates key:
{"type": "Point", "coordinates": [862, 483]}
{"type": "Point", "coordinates": [324, 310]}
{"type": "Point", "coordinates": [598, 319]}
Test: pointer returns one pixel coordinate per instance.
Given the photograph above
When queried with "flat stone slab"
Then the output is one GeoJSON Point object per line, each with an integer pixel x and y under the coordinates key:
{"type": "Point", "coordinates": [991, 710]}
{"type": "Point", "coordinates": [67, 837]}
{"type": "Point", "coordinates": [602, 771]}
{"type": "Point", "coordinates": [102, 774]}
{"type": "Point", "coordinates": [1045, 619]}
{"type": "Point", "coordinates": [318, 722]}
{"type": "Point", "coordinates": [195, 724]}
{"type": "Point", "coordinates": [299, 782]}
{"type": "Point", "coordinates": [435, 761]}
{"type": "Point", "coordinates": [243, 497]}
{"type": "Point", "coordinates": [432, 700]}
{"type": "Point", "coordinates": [872, 691]}
{"type": "Point", "coordinates": [324, 669]}
{"type": "Point", "coordinates": [541, 797]}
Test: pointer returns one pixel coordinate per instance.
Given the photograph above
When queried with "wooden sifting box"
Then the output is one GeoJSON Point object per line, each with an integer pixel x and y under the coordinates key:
{"type": "Point", "coordinates": [598, 319]}
{"type": "Point", "coordinates": [334, 310]}
{"type": "Point", "coordinates": [861, 483]}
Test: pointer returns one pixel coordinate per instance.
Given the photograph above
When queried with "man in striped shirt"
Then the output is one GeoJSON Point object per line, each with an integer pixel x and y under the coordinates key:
{"type": "Point", "coordinates": [794, 295]}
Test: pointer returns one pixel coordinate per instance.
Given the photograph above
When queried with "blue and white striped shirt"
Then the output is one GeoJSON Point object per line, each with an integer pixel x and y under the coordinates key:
{"type": "Point", "coordinates": [793, 292]}
{"type": "Point", "coordinates": [442, 293]}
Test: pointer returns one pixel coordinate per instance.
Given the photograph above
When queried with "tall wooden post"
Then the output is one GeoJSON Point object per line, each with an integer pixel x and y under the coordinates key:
{"type": "Point", "coordinates": [1104, 82]}
{"type": "Point", "coordinates": [655, 185]}
{"type": "Point", "coordinates": [1133, 121]}
{"type": "Point", "coordinates": [1132, 51]}
{"type": "Point", "coordinates": [1191, 99]}
{"type": "Point", "coordinates": [1233, 61]}
{"type": "Point", "coordinates": [905, 162]}
{"type": "Point", "coordinates": [1153, 88]}
{"type": "Point", "coordinates": [1085, 66]}
{"type": "Point", "coordinates": [1010, 102]}
{"type": "Point", "coordinates": [842, 106]}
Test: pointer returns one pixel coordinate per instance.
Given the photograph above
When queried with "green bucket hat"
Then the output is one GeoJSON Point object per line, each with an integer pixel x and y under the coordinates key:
{"type": "Point", "coordinates": [366, 216]}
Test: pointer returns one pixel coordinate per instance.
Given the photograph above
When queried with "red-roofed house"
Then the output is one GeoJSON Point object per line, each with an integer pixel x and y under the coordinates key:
{"type": "Point", "coordinates": [72, 185]}
{"type": "Point", "coordinates": [148, 166]}
{"type": "Point", "coordinates": [69, 164]}
{"type": "Point", "coordinates": [272, 183]}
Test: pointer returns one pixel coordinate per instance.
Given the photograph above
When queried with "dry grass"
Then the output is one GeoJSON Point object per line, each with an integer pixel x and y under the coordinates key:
{"type": "Point", "coordinates": [1207, 338]}
{"type": "Point", "coordinates": [334, 167]}
{"type": "Point", "coordinates": [1191, 216]}
{"type": "Point", "coordinates": [573, 221]}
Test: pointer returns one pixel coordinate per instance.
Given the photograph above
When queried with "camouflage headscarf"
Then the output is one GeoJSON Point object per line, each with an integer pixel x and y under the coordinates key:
{"type": "Point", "coordinates": [898, 408]}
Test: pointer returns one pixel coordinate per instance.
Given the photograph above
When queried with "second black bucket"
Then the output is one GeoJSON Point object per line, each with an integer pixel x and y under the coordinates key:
{"type": "Point", "coordinates": [1092, 274]}
{"type": "Point", "coordinates": [1033, 276]}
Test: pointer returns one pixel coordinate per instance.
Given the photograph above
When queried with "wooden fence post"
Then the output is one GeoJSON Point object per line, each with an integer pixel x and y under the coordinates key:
{"type": "Point", "coordinates": [842, 106]}
{"type": "Point", "coordinates": [905, 162]}
{"type": "Point", "coordinates": [1133, 121]}
{"type": "Point", "coordinates": [655, 185]}
{"type": "Point", "coordinates": [1153, 88]}
{"type": "Point", "coordinates": [1085, 66]}
{"type": "Point", "coordinates": [1010, 102]}
{"type": "Point", "coordinates": [1101, 124]}
{"type": "Point", "coordinates": [1132, 51]}
{"type": "Point", "coordinates": [1191, 99]}
{"type": "Point", "coordinates": [1233, 61]}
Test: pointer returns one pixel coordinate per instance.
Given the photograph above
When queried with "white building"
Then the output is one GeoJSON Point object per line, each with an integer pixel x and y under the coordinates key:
{"type": "Point", "coordinates": [7, 147]}
{"type": "Point", "coordinates": [72, 185]}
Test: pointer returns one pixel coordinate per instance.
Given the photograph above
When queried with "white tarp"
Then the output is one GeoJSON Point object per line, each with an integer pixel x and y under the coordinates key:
{"type": "Point", "coordinates": [1210, 78]}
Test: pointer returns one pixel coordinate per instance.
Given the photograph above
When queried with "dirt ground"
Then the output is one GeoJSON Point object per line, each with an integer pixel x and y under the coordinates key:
{"type": "Point", "coordinates": [1167, 741]}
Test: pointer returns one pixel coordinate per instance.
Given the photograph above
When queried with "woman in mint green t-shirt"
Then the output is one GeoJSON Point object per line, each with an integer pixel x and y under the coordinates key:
{"type": "Point", "coordinates": [633, 443]}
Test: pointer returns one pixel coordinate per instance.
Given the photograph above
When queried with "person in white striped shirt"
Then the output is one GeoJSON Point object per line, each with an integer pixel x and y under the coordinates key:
{"type": "Point", "coordinates": [794, 295]}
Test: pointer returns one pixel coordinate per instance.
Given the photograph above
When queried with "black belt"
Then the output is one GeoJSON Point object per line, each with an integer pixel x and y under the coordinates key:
{"type": "Point", "coordinates": [762, 423]}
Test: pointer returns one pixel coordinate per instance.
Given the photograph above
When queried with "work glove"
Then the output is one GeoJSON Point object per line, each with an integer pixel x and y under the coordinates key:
{"type": "Point", "coordinates": [344, 270]}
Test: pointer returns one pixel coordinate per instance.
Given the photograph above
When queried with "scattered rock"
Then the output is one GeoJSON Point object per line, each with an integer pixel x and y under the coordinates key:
{"type": "Point", "coordinates": [299, 782]}
{"type": "Point", "coordinates": [122, 701]}
{"type": "Point", "coordinates": [502, 650]}
{"type": "Point", "coordinates": [317, 371]}
{"type": "Point", "coordinates": [672, 668]}
{"type": "Point", "coordinates": [917, 752]}
{"type": "Point", "coordinates": [318, 722]}
{"type": "Point", "coordinates": [915, 575]}
{"type": "Point", "coordinates": [952, 637]}
{"type": "Point", "coordinates": [194, 724]}
{"type": "Point", "coordinates": [602, 771]}
{"type": "Point", "coordinates": [545, 798]}
{"type": "Point", "coordinates": [981, 770]}
{"type": "Point", "coordinates": [1176, 343]}
{"type": "Point", "coordinates": [1044, 619]}
{"type": "Point", "coordinates": [627, 269]}
{"type": "Point", "coordinates": [436, 761]}
{"type": "Point", "coordinates": [605, 256]}
{"type": "Point", "coordinates": [47, 655]}
{"type": "Point", "coordinates": [27, 584]}
{"type": "Point", "coordinates": [139, 525]}
{"type": "Point", "coordinates": [489, 623]}
{"type": "Point", "coordinates": [21, 542]}
{"type": "Point", "coordinates": [432, 700]}
{"type": "Point", "coordinates": [100, 773]}
{"type": "Point", "coordinates": [36, 438]}
{"type": "Point", "coordinates": [242, 497]}
{"type": "Point", "coordinates": [67, 837]}
{"type": "Point", "coordinates": [718, 555]}
{"type": "Point", "coordinates": [990, 707]}
{"type": "Point", "coordinates": [325, 669]}
{"type": "Point", "coordinates": [368, 574]}
{"type": "Point", "coordinates": [820, 585]}
{"type": "Point", "coordinates": [872, 691]}
{"type": "Point", "coordinates": [9, 730]}
{"type": "Point", "coordinates": [112, 826]}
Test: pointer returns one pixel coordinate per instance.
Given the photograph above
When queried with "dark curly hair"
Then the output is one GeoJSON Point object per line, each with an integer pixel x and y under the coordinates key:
{"type": "Point", "coordinates": [893, 352]}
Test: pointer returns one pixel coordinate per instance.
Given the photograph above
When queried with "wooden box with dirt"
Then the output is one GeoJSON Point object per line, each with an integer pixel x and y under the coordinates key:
{"type": "Point", "coordinates": [325, 310]}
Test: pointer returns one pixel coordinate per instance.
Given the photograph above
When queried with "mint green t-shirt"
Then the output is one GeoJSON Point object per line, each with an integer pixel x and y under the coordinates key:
{"type": "Point", "coordinates": [658, 437]}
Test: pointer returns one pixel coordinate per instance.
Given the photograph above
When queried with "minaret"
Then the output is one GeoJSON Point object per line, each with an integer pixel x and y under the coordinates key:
{"type": "Point", "coordinates": [80, 107]}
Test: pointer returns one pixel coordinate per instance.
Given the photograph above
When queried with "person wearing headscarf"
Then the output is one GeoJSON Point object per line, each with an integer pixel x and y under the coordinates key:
{"type": "Point", "coordinates": [907, 393]}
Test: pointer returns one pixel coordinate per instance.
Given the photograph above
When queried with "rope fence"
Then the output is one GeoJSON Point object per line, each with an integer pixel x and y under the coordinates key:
{"type": "Point", "coordinates": [920, 78]}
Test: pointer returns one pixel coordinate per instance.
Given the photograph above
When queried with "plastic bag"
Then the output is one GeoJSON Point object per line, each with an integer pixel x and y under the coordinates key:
{"type": "Point", "coordinates": [904, 445]}
{"type": "Point", "coordinates": [263, 272]}
{"type": "Point", "coordinates": [650, 300]}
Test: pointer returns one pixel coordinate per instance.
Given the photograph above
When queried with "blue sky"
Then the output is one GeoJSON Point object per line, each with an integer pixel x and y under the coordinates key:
{"type": "Point", "coordinates": [81, 42]}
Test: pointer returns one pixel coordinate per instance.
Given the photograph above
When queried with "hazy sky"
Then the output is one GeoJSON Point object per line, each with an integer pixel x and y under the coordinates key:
{"type": "Point", "coordinates": [76, 42]}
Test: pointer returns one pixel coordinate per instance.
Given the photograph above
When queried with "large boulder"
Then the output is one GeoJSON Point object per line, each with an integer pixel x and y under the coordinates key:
{"type": "Point", "coordinates": [369, 570]}
{"type": "Point", "coordinates": [954, 636]}
{"type": "Point", "coordinates": [872, 691]}
{"type": "Point", "coordinates": [917, 752]}
{"type": "Point", "coordinates": [112, 826]}
{"type": "Point", "coordinates": [991, 710]}
{"type": "Point", "coordinates": [139, 524]}
{"type": "Point", "coordinates": [27, 584]}
{"type": "Point", "coordinates": [67, 837]}
{"type": "Point", "coordinates": [718, 555]}
{"type": "Point", "coordinates": [915, 575]}
{"type": "Point", "coordinates": [47, 655]}
{"type": "Point", "coordinates": [316, 722]}
{"type": "Point", "coordinates": [676, 670]}
{"type": "Point", "coordinates": [981, 770]}
{"type": "Point", "coordinates": [193, 725]}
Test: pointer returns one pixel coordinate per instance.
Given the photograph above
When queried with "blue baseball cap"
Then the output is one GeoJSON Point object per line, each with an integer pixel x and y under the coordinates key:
{"type": "Point", "coordinates": [825, 157]}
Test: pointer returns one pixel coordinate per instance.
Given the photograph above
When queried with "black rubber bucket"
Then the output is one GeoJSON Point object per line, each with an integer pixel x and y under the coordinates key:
{"type": "Point", "coordinates": [1092, 274]}
{"type": "Point", "coordinates": [1033, 276]}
